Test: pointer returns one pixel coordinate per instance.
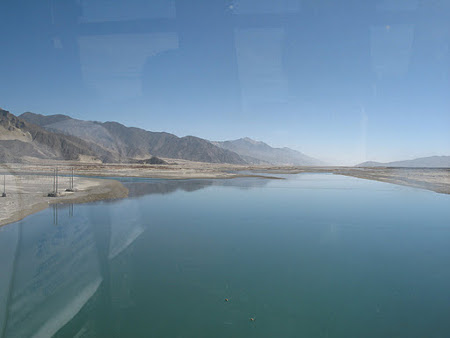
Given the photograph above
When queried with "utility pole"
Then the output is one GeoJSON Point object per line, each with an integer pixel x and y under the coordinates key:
{"type": "Point", "coordinates": [54, 193]}
{"type": "Point", "coordinates": [4, 186]}
{"type": "Point", "coordinates": [71, 181]}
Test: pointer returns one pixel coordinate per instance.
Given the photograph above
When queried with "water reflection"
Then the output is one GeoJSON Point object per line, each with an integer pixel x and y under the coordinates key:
{"type": "Point", "coordinates": [55, 272]}
{"type": "Point", "coordinates": [56, 207]}
{"type": "Point", "coordinates": [51, 275]}
{"type": "Point", "coordinates": [9, 238]}
{"type": "Point", "coordinates": [295, 251]}
{"type": "Point", "coordinates": [57, 268]}
{"type": "Point", "coordinates": [141, 187]}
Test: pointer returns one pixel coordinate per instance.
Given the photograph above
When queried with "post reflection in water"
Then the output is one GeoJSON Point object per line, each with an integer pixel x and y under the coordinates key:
{"type": "Point", "coordinates": [71, 210]}
{"type": "Point", "coordinates": [55, 208]}
{"type": "Point", "coordinates": [54, 277]}
{"type": "Point", "coordinates": [55, 214]}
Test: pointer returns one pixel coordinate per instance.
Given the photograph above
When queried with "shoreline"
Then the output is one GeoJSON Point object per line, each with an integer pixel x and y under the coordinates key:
{"type": "Point", "coordinates": [434, 187]}
{"type": "Point", "coordinates": [28, 183]}
{"type": "Point", "coordinates": [22, 203]}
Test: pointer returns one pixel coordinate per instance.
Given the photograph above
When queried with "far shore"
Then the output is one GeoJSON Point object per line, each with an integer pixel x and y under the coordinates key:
{"type": "Point", "coordinates": [27, 185]}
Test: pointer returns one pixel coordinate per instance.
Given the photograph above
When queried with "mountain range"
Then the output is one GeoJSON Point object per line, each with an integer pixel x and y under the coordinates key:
{"type": "Point", "coordinates": [257, 152]}
{"type": "Point", "coordinates": [423, 162]}
{"type": "Point", "coordinates": [31, 136]}
{"type": "Point", "coordinates": [20, 140]}
{"type": "Point", "coordinates": [124, 143]}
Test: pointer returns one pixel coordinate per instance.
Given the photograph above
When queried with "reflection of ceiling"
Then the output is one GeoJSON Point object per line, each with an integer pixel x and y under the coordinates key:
{"type": "Point", "coordinates": [56, 273]}
{"type": "Point", "coordinates": [398, 5]}
{"type": "Point", "coordinates": [390, 49]}
{"type": "Point", "coordinates": [121, 10]}
{"type": "Point", "coordinates": [124, 232]}
{"type": "Point", "coordinates": [69, 308]}
{"type": "Point", "coordinates": [265, 6]}
{"type": "Point", "coordinates": [272, 65]}
{"type": "Point", "coordinates": [112, 65]}
{"type": "Point", "coordinates": [260, 64]}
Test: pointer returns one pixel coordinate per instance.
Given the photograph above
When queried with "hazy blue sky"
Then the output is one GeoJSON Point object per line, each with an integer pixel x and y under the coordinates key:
{"type": "Point", "coordinates": [349, 80]}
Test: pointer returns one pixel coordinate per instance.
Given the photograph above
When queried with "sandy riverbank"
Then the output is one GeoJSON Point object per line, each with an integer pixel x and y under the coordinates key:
{"type": "Point", "coordinates": [27, 186]}
{"type": "Point", "coordinates": [27, 194]}
{"type": "Point", "coordinates": [437, 180]}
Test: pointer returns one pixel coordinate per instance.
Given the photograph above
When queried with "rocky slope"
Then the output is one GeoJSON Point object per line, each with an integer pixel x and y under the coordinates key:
{"type": "Point", "coordinates": [20, 139]}
{"type": "Point", "coordinates": [134, 143]}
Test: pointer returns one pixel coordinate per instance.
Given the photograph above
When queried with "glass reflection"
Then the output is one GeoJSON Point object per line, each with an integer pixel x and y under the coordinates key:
{"type": "Point", "coordinates": [61, 266]}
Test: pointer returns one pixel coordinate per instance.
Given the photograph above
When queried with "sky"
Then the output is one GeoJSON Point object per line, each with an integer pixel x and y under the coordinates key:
{"type": "Point", "coordinates": [343, 81]}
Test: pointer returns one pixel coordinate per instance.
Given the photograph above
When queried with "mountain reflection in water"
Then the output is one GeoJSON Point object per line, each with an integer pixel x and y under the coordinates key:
{"type": "Point", "coordinates": [141, 187]}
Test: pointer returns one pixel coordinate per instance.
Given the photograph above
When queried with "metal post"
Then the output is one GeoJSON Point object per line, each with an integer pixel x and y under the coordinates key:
{"type": "Point", "coordinates": [4, 186]}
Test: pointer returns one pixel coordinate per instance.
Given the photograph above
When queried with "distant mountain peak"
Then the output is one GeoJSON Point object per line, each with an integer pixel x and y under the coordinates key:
{"type": "Point", "coordinates": [258, 152]}
{"type": "Point", "coordinates": [248, 139]}
{"type": "Point", "coordinates": [422, 162]}
{"type": "Point", "coordinates": [39, 118]}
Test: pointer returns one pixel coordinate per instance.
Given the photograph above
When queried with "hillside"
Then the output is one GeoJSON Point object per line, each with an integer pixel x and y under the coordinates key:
{"type": "Point", "coordinates": [20, 139]}
{"type": "Point", "coordinates": [423, 162]}
{"type": "Point", "coordinates": [134, 143]}
{"type": "Point", "coordinates": [257, 152]}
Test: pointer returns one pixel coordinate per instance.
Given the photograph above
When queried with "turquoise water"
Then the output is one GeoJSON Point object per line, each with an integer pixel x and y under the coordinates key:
{"type": "Point", "coordinates": [314, 255]}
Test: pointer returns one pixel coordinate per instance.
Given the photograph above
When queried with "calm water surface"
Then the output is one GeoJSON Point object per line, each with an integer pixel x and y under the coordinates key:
{"type": "Point", "coordinates": [314, 255]}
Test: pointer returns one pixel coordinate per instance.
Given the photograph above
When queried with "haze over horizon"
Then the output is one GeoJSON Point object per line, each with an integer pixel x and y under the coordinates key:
{"type": "Point", "coordinates": [345, 83]}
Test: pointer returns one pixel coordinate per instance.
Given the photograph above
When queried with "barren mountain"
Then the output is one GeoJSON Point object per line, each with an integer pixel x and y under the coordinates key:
{"type": "Point", "coordinates": [135, 143]}
{"type": "Point", "coordinates": [423, 162]}
{"type": "Point", "coordinates": [20, 139]}
{"type": "Point", "coordinates": [257, 152]}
